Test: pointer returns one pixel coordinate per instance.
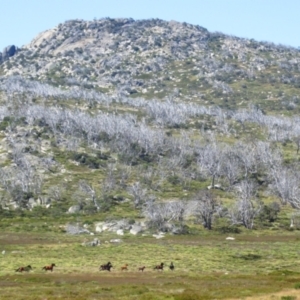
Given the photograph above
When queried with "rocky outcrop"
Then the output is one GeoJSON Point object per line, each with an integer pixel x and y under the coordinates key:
{"type": "Point", "coordinates": [9, 51]}
{"type": "Point", "coordinates": [112, 226]}
{"type": "Point", "coordinates": [120, 227]}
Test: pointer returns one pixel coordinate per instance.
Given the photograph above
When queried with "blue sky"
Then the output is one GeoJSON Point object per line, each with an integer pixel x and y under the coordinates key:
{"type": "Point", "coordinates": [276, 21]}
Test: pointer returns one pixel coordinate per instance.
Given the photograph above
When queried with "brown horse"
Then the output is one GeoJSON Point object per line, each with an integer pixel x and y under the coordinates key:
{"type": "Point", "coordinates": [142, 268]}
{"type": "Point", "coordinates": [106, 267]}
{"type": "Point", "coordinates": [125, 267]}
{"type": "Point", "coordinates": [159, 267]}
{"type": "Point", "coordinates": [49, 268]}
{"type": "Point", "coordinates": [24, 269]}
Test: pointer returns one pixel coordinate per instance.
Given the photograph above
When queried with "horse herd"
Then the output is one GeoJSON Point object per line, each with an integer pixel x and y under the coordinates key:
{"type": "Point", "coordinates": [28, 268]}
{"type": "Point", "coordinates": [108, 266]}
{"type": "Point", "coordinates": [104, 267]}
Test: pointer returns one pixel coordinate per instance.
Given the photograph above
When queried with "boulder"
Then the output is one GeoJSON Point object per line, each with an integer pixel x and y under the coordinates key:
{"type": "Point", "coordinates": [120, 232]}
{"type": "Point", "coordinates": [93, 243]}
{"type": "Point", "coordinates": [160, 235]}
{"type": "Point", "coordinates": [76, 229]}
{"type": "Point", "coordinates": [74, 209]}
{"type": "Point", "coordinates": [32, 203]}
{"type": "Point", "coordinates": [116, 241]}
{"type": "Point", "coordinates": [135, 229]}
{"type": "Point", "coordinates": [9, 51]}
{"type": "Point", "coordinates": [112, 226]}
{"type": "Point", "coordinates": [216, 186]}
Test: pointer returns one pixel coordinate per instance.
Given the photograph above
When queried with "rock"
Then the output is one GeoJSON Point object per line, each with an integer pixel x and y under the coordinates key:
{"type": "Point", "coordinates": [116, 241]}
{"type": "Point", "coordinates": [120, 232]}
{"type": "Point", "coordinates": [32, 203]}
{"type": "Point", "coordinates": [9, 51]}
{"type": "Point", "coordinates": [135, 229]}
{"type": "Point", "coordinates": [216, 186]}
{"type": "Point", "coordinates": [230, 238]}
{"type": "Point", "coordinates": [74, 209]}
{"type": "Point", "coordinates": [160, 235]}
{"type": "Point", "coordinates": [76, 229]}
{"type": "Point", "coordinates": [93, 243]}
{"type": "Point", "coordinates": [112, 226]}
{"type": "Point", "coordinates": [99, 227]}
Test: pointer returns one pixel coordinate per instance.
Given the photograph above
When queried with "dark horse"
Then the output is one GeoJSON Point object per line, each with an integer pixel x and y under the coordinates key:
{"type": "Point", "coordinates": [49, 268]}
{"type": "Point", "coordinates": [106, 267]}
{"type": "Point", "coordinates": [24, 269]}
{"type": "Point", "coordinates": [172, 267]}
{"type": "Point", "coordinates": [159, 267]}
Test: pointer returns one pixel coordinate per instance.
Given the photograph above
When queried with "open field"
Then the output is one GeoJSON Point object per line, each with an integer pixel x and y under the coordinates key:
{"type": "Point", "coordinates": [257, 265]}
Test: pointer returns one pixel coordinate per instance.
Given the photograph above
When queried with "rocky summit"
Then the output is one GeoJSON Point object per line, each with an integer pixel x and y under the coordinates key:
{"type": "Point", "coordinates": [156, 58]}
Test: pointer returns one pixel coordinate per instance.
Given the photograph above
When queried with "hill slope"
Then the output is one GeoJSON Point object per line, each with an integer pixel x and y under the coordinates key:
{"type": "Point", "coordinates": [155, 58]}
{"type": "Point", "coordinates": [139, 117]}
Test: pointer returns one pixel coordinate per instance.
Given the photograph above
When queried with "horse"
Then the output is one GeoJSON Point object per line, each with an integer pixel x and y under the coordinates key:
{"type": "Point", "coordinates": [172, 267]}
{"type": "Point", "coordinates": [142, 268]}
{"type": "Point", "coordinates": [159, 267]}
{"type": "Point", "coordinates": [49, 268]}
{"type": "Point", "coordinates": [125, 267]}
{"type": "Point", "coordinates": [106, 267]}
{"type": "Point", "coordinates": [26, 269]}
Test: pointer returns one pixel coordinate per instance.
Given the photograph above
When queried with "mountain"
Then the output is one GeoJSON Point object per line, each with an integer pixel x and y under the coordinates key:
{"type": "Point", "coordinates": [156, 58]}
{"type": "Point", "coordinates": [149, 118]}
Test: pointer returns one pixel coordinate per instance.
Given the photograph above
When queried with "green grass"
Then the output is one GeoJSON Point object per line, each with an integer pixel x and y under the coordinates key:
{"type": "Point", "coordinates": [207, 266]}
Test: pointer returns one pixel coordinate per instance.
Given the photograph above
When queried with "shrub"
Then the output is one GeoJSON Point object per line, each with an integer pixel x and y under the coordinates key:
{"type": "Point", "coordinates": [269, 212]}
{"type": "Point", "coordinates": [228, 229]}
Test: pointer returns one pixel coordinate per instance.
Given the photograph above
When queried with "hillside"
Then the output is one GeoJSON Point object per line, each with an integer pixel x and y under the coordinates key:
{"type": "Point", "coordinates": [151, 119]}
{"type": "Point", "coordinates": [155, 58]}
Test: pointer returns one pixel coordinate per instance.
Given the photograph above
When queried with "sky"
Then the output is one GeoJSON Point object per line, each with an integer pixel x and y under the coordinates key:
{"type": "Point", "coordinates": [276, 21]}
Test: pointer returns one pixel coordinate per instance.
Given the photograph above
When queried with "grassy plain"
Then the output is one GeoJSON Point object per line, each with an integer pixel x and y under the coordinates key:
{"type": "Point", "coordinates": [257, 264]}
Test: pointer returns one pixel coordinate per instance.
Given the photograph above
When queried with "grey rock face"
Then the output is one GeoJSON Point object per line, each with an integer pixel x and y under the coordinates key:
{"type": "Point", "coordinates": [9, 51]}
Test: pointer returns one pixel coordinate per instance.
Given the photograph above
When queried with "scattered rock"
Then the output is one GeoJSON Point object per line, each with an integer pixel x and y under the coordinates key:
{"type": "Point", "coordinates": [230, 238]}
